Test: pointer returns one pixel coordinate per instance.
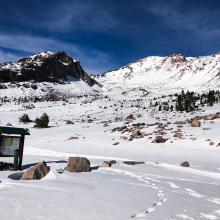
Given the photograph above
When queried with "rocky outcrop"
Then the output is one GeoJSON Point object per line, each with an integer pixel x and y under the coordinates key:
{"type": "Point", "coordinates": [44, 67]}
{"type": "Point", "coordinates": [36, 172]}
{"type": "Point", "coordinates": [178, 58]}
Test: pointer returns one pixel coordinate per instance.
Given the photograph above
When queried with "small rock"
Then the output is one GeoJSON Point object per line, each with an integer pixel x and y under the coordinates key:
{"type": "Point", "coordinates": [136, 134]}
{"type": "Point", "coordinates": [130, 117]}
{"type": "Point", "coordinates": [137, 125]}
{"type": "Point", "coordinates": [107, 163]}
{"type": "Point", "coordinates": [133, 162]}
{"type": "Point", "coordinates": [178, 135]}
{"type": "Point", "coordinates": [72, 138]}
{"type": "Point", "coordinates": [185, 164]}
{"type": "Point", "coordinates": [36, 172]}
{"type": "Point", "coordinates": [119, 128]}
{"type": "Point", "coordinates": [90, 120]}
{"type": "Point", "coordinates": [195, 123]}
{"type": "Point", "coordinates": [124, 138]}
{"type": "Point", "coordinates": [211, 143]}
{"type": "Point", "coordinates": [162, 126]}
{"type": "Point", "coordinates": [159, 139]}
{"type": "Point", "coordinates": [34, 86]}
{"type": "Point", "coordinates": [5, 166]}
{"type": "Point", "coordinates": [116, 143]}
{"type": "Point", "coordinates": [69, 122]}
{"type": "Point", "coordinates": [180, 122]}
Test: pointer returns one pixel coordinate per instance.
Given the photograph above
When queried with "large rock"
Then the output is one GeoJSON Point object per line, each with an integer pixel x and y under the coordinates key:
{"type": "Point", "coordinates": [36, 172]}
{"type": "Point", "coordinates": [78, 164]}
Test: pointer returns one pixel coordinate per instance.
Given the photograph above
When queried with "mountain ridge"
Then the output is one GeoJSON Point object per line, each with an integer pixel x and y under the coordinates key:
{"type": "Point", "coordinates": [44, 67]}
{"type": "Point", "coordinates": [175, 71]}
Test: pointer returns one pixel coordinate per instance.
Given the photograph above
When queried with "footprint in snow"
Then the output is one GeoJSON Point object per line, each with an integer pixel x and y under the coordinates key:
{"type": "Point", "coordinates": [208, 216]}
{"type": "Point", "coordinates": [173, 185]}
{"type": "Point", "coordinates": [160, 201]}
{"type": "Point", "coordinates": [193, 193]}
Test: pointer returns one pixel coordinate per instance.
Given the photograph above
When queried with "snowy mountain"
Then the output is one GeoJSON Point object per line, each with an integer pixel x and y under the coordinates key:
{"type": "Point", "coordinates": [116, 122]}
{"type": "Point", "coordinates": [44, 67]}
{"type": "Point", "coordinates": [172, 72]}
{"type": "Point", "coordinates": [44, 76]}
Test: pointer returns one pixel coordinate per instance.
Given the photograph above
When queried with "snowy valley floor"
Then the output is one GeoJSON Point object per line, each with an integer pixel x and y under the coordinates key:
{"type": "Point", "coordinates": [160, 189]}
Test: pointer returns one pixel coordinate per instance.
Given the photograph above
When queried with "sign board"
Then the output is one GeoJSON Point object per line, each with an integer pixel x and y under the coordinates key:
{"type": "Point", "coordinates": [9, 145]}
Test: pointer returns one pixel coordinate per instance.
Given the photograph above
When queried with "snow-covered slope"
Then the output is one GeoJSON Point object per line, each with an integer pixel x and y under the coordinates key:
{"type": "Point", "coordinates": [172, 72]}
{"type": "Point", "coordinates": [116, 122]}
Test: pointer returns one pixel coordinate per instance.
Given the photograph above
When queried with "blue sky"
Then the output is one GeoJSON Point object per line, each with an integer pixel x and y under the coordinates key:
{"type": "Point", "coordinates": [106, 34]}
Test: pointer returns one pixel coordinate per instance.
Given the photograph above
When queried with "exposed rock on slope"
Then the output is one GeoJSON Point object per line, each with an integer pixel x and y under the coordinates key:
{"type": "Point", "coordinates": [44, 67]}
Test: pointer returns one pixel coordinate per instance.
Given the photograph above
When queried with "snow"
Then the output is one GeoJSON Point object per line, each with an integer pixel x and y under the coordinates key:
{"type": "Point", "coordinates": [160, 189]}
{"type": "Point", "coordinates": [157, 72]}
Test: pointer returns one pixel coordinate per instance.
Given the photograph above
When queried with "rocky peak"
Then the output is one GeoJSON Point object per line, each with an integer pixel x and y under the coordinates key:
{"type": "Point", "coordinates": [46, 66]}
{"type": "Point", "coordinates": [177, 58]}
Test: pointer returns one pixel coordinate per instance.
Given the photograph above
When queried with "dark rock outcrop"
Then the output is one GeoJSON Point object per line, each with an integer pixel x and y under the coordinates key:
{"type": "Point", "coordinates": [178, 58]}
{"type": "Point", "coordinates": [44, 67]}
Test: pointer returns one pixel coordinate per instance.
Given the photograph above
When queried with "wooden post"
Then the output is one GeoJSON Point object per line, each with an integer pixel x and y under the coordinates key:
{"type": "Point", "coordinates": [21, 148]}
{"type": "Point", "coordinates": [16, 159]}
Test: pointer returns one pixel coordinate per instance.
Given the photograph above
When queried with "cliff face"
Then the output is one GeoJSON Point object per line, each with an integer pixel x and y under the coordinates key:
{"type": "Point", "coordinates": [44, 67]}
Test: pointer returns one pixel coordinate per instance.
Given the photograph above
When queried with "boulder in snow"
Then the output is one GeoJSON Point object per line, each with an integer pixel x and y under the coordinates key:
{"type": "Point", "coordinates": [184, 164]}
{"type": "Point", "coordinates": [107, 163]}
{"type": "Point", "coordinates": [78, 164]}
{"type": "Point", "coordinates": [36, 172]}
{"type": "Point", "coordinates": [178, 135]}
{"type": "Point", "coordinates": [195, 123]}
{"type": "Point", "coordinates": [133, 162]}
{"type": "Point", "coordinates": [159, 139]}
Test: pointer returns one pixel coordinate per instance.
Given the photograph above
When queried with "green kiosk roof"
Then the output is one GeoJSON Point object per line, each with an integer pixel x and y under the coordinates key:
{"type": "Point", "coordinates": [13, 130]}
